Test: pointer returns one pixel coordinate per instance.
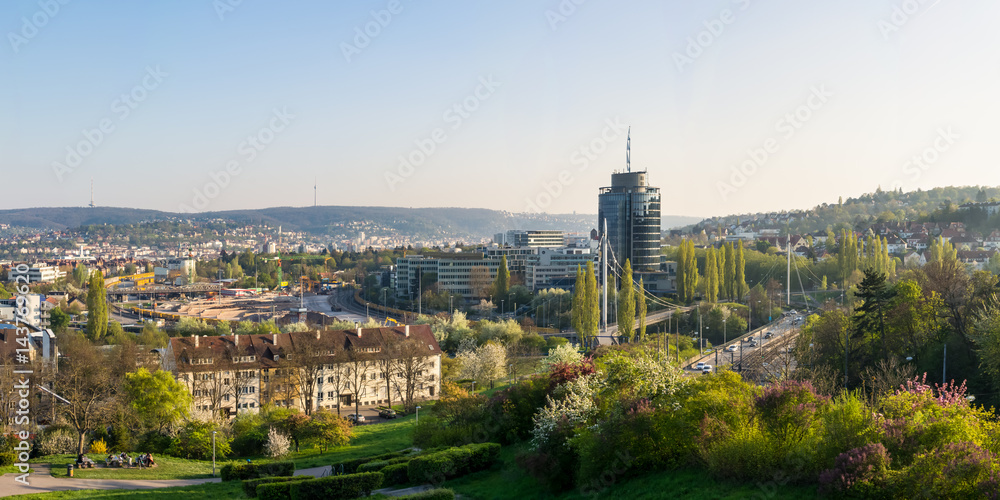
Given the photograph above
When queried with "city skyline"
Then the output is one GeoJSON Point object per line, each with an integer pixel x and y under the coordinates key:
{"type": "Point", "coordinates": [519, 106]}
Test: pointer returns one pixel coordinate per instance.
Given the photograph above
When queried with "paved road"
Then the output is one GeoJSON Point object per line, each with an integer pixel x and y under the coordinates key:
{"type": "Point", "coordinates": [782, 332]}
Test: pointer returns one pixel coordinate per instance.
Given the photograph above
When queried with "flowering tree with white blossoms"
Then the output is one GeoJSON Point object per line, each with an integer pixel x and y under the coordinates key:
{"type": "Point", "coordinates": [566, 353]}
{"type": "Point", "coordinates": [485, 363]}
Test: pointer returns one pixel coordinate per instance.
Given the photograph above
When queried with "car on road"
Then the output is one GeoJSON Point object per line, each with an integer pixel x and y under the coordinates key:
{"type": "Point", "coordinates": [356, 418]}
{"type": "Point", "coordinates": [750, 339]}
{"type": "Point", "coordinates": [387, 413]}
{"type": "Point", "coordinates": [700, 365]}
{"type": "Point", "coordinates": [768, 335]}
{"type": "Point", "coordinates": [731, 348]}
{"type": "Point", "coordinates": [753, 343]}
{"type": "Point", "coordinates": [707, 369]}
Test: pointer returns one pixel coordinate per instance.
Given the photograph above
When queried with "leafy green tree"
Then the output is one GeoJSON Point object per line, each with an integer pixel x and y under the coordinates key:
{"type": "Point", "coordinates": [626, 304]}
{"type": "Point", "coordinates": [97, 307]}
{"type": "Point", "coordinates": [157, 398]}
{"type": "Point", "coordinates": [502, 283]}
{"type": "Point", "coordinates": [330, 430]}
{"type": "Point", "coordinates": [592, 307]}
{"type": "Point", "coordinates": [151, 336]}
{"type": "Point", "coordinates": [80, 274]}
{"type": "Point", "coordinates": [58, 320]}
{"type": "Point", "coordinates": [194, 441]}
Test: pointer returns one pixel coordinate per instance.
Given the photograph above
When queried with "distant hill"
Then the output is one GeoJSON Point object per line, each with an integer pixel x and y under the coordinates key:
{"type": "Point", "coordinates": [431, 223]}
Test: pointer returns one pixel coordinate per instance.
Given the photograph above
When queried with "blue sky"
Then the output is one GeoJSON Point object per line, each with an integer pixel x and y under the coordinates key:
{"type": "Point", "coordinates": [735, 106]}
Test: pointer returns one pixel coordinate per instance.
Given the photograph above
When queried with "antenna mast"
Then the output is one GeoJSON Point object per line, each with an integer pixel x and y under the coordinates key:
{"type": "Point", "coordinates": [628, 151]}
{"type": "Point", "coordinates": [315, 192]}
{"type": "Point", "coordinates": [92, 193]}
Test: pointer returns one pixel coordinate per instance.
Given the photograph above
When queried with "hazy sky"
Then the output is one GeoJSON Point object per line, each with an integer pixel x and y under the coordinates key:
{"type": "Point", "coordinates": [513, 105]}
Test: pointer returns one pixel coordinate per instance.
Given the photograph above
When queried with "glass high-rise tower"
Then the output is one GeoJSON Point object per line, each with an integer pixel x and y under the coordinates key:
{"type": "Point", "coordinates": [632, 210]}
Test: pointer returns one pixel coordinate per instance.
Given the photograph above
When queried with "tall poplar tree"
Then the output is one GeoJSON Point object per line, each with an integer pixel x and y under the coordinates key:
{"type": "Point", "coordinates": [579, 292]}
{"type": "Point", "coordinates": [711, 276]}
{"type": "Point", "coordinates": [97, 307]}
{"type": "Point", "coordinates": [592, 310]}
{"type": "Point", "coordinates": [640, 305]}
{"type": "Point", "coordinates": [626, 304]}
{"type": "Point", "coordinates": [501, 285]}
{"type": "Point", "coordinates": [741, 277]}
{"type": "Point", "coordinates": [730, 277]}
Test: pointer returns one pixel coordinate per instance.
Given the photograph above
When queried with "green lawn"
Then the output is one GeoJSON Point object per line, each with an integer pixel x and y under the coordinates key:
{"type": "Point", "coordinates": [212, 491]}
{"type": "Point", "coordinates": [372, 439]}
{"type": "Point", "coordinates": [166, 468]}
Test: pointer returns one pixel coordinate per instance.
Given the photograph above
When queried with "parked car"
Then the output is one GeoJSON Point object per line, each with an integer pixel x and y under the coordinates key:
{"type": "Point", "coordinates": [387, 413]}
{"type": "Point", "coordinates": [356, 418]}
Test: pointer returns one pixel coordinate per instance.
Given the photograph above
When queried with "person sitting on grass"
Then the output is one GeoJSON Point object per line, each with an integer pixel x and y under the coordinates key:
{"type": "Point", "coordinates": [149, 460]}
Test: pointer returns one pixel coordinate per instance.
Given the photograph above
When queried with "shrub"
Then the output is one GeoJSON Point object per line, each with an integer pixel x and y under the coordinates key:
{"type": "Point", "coordinates": [7, 454]}
{"type": "Point", "coordinates": [59, 441]}
{"type": "Point", "coordinates": [250, 485]}
{"type": "Point", "coordinates": [453, 462]}
{"type": "Point", "coordinates": [742, 452]}
{"type": "Point", "coordinates": [195, 442]}
{"type": "Point", "coordinates": [955, 470]}
{"type": "Point", "coordinates": [99, 447]}
{"type": "Point", "coordinates": [333, 487]}
{"type": "Point", "coordinates": [278, 443]}
{"type": "Point", "coordinates": [860, 471]}
{"type": "Point", "coordinates": [395, 474]}
{"type": "Point", "coordinates": [437, 494]}
{"type": "Point", "coordinates": [351, 466]}
{"type": "Point", "coordinates": [373, 466]}
{"type": "Point", "coordinates": [276, 491]}
{"type": "Point", "coordinates": [154, 442]}
{"type": "Point", "coordinates": [244, 471]}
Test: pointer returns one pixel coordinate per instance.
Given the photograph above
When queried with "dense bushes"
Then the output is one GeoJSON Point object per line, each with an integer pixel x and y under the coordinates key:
{"type": "Point", "coordinates": [333, 487]}
{"type": "Point", "coordinates": [861, 472]}
{"type": "Point", "coordinates": [396, 474]}
{"type": "Point", "coordinates": [250, 485]}
{"type": "Point", "coordinates": [954, 470]}
{"type": "Point", "coordinates": [351, 466]}
{"type": "Point", "coordinates": [243, 471]}
{"type": "Point", "coordinates": [436, 467]}
{"type": "Point", "coordinates": [195, 441]}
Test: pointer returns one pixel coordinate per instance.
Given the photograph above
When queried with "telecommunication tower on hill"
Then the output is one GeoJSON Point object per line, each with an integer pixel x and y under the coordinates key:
{"type": "Point", "coordinates": [92, 205]}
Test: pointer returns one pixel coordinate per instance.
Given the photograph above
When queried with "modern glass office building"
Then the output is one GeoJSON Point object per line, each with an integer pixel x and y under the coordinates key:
{"type": "Point", "coordinates": [632, 209]}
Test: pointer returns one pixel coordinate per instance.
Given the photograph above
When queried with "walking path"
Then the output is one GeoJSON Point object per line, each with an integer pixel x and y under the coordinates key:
{"type": "Point", "coordinates": [41, 481]}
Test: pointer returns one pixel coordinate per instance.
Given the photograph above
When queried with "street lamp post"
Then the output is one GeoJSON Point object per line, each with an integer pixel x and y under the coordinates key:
{"type": "Point", "coordinates": [213, 453]}
{"type": "Point", "coordinates": [724, 337]}
{"type": "Point", "coordinates": [417, 420]}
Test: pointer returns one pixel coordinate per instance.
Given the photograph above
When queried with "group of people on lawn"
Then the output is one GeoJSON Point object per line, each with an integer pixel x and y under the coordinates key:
{"type": "Point", "coordinates": [120, 460]}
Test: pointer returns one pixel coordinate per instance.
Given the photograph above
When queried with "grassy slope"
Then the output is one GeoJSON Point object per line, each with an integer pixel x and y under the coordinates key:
{"type": "Point", "coordinates": [211, 491]}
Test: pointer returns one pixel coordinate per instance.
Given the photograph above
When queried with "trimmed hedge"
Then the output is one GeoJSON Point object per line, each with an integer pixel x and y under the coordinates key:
{"type": "Point", "coordinates": [453, 462]}
{"type": "Point", "coordinates": [336, 487]}
{"type": "Point", "coordinates": [438, 494]}
{"type": "Point", "coordinates": [276, 491]}
{"type": "Point", "coordinates": [395, 474]}
{"type": "Point", "coordinates": [373, 466]}
{"type": "Point", "coordinates": [250, 485]}
{"type": "Point", "coordinates": [351, 466]}
{"type": "Point", "coordinates": [238, 471]}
